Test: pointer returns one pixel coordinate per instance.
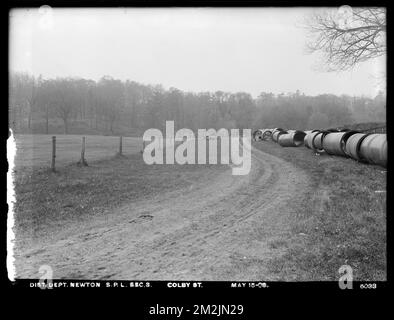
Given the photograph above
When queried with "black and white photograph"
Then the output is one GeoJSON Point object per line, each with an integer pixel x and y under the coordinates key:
{"type": "Point", "coordinates": [186, 146]}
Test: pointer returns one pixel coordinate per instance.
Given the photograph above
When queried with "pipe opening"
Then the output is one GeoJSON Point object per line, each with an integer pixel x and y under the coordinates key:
{"type": "Point", "coordinates": [344, 139]}
{"type": "Point", "coordinates": [298, 137]}
{"type": "Point", "coordinates": [358, 148]}
{"type": "Point", "coordinates": [317, 141]}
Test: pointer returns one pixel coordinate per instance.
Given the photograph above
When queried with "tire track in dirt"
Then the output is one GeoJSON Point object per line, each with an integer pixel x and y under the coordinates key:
{"type": "Point", "coordinates": [218, 230]}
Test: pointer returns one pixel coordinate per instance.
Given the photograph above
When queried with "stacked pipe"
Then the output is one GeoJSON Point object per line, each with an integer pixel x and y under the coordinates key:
{"type": "Point", "coordinates": [368, 147]}
{"type": "Point", "coordinates": [276, 133]}
{"type": "Point", "coordinates": [293, 138]}
{"type": "Point", "coordinates": [314, 139]}
{"type": "Point", "coordinates": [334, 142]}
{"type": "Point", "coordinates": [262, 134]}
{"type": "Point", "coordinates": [363, 147]}
{"type": "Point", "coordinates": [309, 137]}
{"type": "Point", "coordinates": [257, 135]}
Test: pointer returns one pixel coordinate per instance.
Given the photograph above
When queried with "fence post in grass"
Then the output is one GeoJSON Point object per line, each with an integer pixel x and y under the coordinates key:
{"type": "Point", "coordinates": [120, 145]}
{"type": "Point", "coordinates": [82, 161]}
{"type": "Point", "coordinates": [53, 153]}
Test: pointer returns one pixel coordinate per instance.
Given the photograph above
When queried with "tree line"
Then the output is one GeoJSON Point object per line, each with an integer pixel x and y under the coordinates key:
{"type": "Point", "coordinates": [111, 106]}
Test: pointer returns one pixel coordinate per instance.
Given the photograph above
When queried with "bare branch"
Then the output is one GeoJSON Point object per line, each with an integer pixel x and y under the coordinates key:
{"type": "Point", "coordinates": [348, 39]}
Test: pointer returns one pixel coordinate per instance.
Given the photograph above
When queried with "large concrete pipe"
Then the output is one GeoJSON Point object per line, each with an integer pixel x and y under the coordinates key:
{"type": "Point", "coordinates": [273, 131]}
{"type": "Point", "coordinates": [293, 138]}
{"type": "Point", "coordinates": [308, 139]}
{"type": "Point", "coordinates": [261, 134]}
{"type": "Point", "coordinates": [317, 141]}
{"type": "Point", "coordinates": [352, 146]}
{"type": "Point", "coordinates": [374, 149]}
{"type": "Point", "coordinates": [276, 134]}
{"type": "Point", "coordinates": [266, 134]}
{"type": "Point", "coordinates": [256, 135]}
{"type": "Point", "coordinates": [334, 142]}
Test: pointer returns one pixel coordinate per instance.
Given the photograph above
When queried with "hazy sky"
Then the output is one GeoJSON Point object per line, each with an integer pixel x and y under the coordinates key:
{"type": "Point", "coordinates": [252, 50]}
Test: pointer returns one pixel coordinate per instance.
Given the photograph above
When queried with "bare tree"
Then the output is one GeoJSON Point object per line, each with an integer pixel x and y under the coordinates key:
{"type": "Point", "coordinates": [113, 103]}
{"type": "Point", "coordinates": [45, 98]}
{"type": "Point", "coordinates": [18, 92]}
{"type": "Point", "coordinates": [64, 92]}
{"type": "Point", "coordinates": [347, 36]}
{"type": "Point", "coordinates": [111, 100]}
{"type": "Point", "coordinates": [32, 88]}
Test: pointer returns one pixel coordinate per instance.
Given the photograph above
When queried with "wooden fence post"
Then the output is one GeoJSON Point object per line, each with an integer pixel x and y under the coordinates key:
{"type": "Point", "coordinates": [53, 153]}
{"type": "Point", "coordinates": [120, 145]}
{"type": "Point", "coordinates": [82, 161]}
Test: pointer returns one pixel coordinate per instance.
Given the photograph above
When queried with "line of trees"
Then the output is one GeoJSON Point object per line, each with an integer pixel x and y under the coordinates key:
{"type": "Point", "coordinates": [111, 106]}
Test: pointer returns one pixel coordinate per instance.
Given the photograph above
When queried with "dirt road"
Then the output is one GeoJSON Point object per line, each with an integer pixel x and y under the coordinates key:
{"type": "Point", "coordinates": [223, 228]}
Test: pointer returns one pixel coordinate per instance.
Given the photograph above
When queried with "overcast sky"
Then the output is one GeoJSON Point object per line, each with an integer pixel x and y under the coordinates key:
{"type": "Point", "coordinates": [250, 50]}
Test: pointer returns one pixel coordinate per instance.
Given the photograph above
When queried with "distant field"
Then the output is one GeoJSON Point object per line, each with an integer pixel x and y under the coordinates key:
{"type": "Point", "coordinates": [34, 150]}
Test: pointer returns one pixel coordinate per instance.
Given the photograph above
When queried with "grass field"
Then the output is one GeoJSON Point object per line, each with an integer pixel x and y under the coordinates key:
{"type": "Point", "coordinates": [342, 222]}
{"type": "Point", "coordinates": [35, 150]}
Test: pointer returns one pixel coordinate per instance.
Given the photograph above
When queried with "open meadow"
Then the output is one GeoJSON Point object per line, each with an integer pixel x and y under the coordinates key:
{"type": "Point", "coordinates": [35, 150]}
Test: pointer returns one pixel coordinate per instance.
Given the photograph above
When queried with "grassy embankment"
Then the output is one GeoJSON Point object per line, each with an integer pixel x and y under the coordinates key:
{"type": "Point", "coordinates": [343, 221]}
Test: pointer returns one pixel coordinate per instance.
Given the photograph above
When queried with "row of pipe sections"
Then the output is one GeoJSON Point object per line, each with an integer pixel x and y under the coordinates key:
{"type": "Point", "coordinates": [363, 147]}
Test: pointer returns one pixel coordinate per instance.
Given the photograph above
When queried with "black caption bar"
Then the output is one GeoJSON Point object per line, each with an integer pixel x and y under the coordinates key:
{"type": "Point", "coordinates": [194, 285]}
